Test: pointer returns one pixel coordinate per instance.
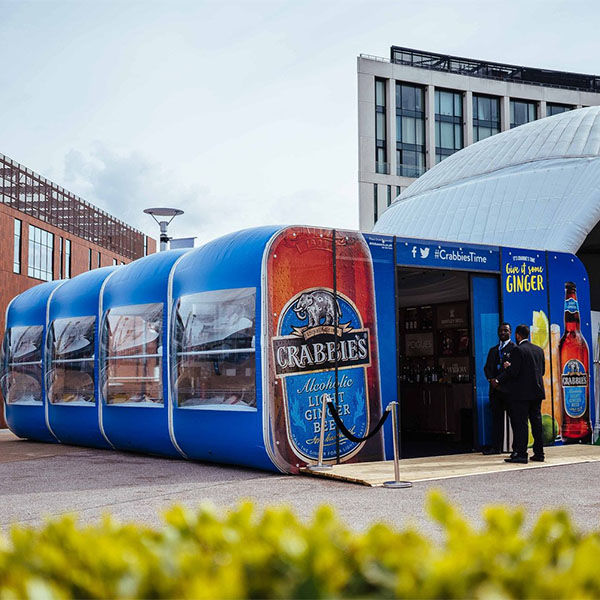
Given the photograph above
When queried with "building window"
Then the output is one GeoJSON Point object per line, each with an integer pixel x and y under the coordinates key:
{"type": "Point", "coordinates": [521, 112]}
{"type": "Point", "coordinates": [375, 213]}
{"type": "Point", "coordinates": [114, 262]}
{"type": "Point", "coordinates": [448, 124]}
{"type": "Point", "coordinates": [215, 350]}
{"type": "Point", "coordinates": [389, 195]}
{"type": "Point", "coordinates": [17, 247]}
{"type": "Point", "coordinates": [381, 164]}
{"type": "Point", "coordinates": [145, 245]}
{"type": "Point", "coordinates": [556, 109]}
{"type": "Point", "coordinates": [398, 190]}
{"type": "Point", "coordinates": [132, 355]}
{"type": "Point", "coordinates": [89, 259]}
{"type": "Point", "coordinates": [60, 257]}
{"type": "Point", "coordinates": [99, 260]}
{"type": "Point", "coordinates": [41, 254]}
{"type": "Point", "coordinates": [410, 130]}
{"type": "Point", "coordinates": [67, 259]}
{"type": "Point", "coordinates": [486, 117]}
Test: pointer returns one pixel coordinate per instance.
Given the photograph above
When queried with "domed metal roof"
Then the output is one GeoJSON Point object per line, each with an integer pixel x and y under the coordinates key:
{"type": "Point", "coordinates": [535, 186]}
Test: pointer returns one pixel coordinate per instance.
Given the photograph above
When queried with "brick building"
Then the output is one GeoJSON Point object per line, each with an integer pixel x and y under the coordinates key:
{"type": "Point", "coordinates": [47, 233]}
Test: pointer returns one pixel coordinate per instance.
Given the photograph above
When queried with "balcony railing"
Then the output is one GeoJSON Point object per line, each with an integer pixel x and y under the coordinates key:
{"type": "Point", "coordinates": [409, 171]}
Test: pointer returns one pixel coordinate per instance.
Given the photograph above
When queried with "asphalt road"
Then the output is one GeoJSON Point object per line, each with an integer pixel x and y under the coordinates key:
{"type": "Point", "coordinates": [40, 480]}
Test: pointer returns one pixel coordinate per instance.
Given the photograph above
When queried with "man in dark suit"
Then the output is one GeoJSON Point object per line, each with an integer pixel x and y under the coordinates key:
{"type": "Point", "coordinates": [494, 365]}
{"type": "Point", "coordinates": [524, 376]}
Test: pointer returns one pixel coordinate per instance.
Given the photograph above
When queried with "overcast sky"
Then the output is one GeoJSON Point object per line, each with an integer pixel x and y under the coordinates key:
{"type": "Point", "coordinates": [240, 112]}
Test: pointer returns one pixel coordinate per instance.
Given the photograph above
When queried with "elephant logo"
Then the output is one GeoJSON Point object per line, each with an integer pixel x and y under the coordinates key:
{"type": "Point", "coordinates": [317, 306]}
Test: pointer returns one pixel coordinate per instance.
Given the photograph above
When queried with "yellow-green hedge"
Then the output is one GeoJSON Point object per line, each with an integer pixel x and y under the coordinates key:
{"type": "Point", "coordinates": [243, 554]}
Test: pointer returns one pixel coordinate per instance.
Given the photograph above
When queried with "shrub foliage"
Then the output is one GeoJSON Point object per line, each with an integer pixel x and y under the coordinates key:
{"type": "Point", "coordinates": [244, 554]}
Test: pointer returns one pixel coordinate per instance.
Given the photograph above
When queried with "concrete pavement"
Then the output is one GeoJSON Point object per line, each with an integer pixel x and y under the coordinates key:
{"type": "Point", "coordinates": [39, 480]}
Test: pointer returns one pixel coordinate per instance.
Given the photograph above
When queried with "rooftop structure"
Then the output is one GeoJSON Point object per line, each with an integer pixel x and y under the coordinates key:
{"type": "Point", "coordinates": [494, 70]}
{"type": "Point", "coordinates": [32, 194]}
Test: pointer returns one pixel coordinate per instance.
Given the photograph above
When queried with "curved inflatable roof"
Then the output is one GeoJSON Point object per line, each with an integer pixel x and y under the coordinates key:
{"type": "Point", "coordinates": [535, 186]}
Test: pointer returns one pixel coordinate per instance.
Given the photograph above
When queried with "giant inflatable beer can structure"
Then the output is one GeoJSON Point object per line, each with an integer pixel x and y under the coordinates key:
{"type": "Point", "coordinates": [224, 353]}
{"type": "Point", "coordinates": [323, 332]}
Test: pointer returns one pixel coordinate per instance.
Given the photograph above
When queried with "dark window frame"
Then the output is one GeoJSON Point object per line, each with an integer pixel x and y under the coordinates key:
{"type": "Point", "coordinates": [487, 123]}
{"type": "Point", "coordinates": [381, 166]}
{"type": "Point", "coordinates": [562, 108]}
{"type": "Point", "coordinates": [40, 246]}
{"type": "Point", "coordinates": [404, 108]}
{"type": "Point", "coordinates": [18, 246]}
{"type": "Point", "coordinates": [375, 207]}
{"type": "Point", "coordinates": [67, 272]}
{"type": "Point", "coordinates": [529, 104]}
{"type": "Point", "coordinates": [442, 152]}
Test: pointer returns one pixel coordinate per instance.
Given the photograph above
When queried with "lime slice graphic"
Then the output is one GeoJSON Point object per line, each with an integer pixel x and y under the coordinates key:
{"type": "Point", "coordinates": [540, 329]}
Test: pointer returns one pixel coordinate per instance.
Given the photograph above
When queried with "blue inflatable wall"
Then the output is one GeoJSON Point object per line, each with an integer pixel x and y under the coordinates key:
{"type": "Point", "coordinates": [26, 413]}
{"type": "Point", "coordinates": [72, 359]}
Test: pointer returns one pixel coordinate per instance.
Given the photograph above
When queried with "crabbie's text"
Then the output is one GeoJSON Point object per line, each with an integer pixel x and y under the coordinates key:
{"type": "Point", "coordinates": [294, 355]}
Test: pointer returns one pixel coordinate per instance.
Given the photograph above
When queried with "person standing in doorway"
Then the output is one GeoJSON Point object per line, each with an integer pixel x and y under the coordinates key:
{"type": "Point", "coordinates": [524, 375]}
{"type": "Point", "coordinates": [494, 365]}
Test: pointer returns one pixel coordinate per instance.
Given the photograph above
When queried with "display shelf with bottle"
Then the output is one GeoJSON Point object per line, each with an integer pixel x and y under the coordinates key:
{"type": "Point", "coordinates": [434, 368]}
{"type": "Point", "coordinates": [435, 344]}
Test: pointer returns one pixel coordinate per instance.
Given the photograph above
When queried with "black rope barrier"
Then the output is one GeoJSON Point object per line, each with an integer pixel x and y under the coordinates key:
{"type": "Point", "coordinates": [349, 434]}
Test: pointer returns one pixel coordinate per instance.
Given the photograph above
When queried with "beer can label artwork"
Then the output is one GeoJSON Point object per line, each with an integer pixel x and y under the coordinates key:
{"type": "Point", "coordinates": [571, 305]}
{"type": "Point", "coordinates": [574, 383]}
{"type": "Point", "coordinates": [318, 330]}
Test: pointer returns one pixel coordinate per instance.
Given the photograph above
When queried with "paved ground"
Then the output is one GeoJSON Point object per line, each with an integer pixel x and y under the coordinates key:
{"type": "Point", "coordinates": [38, 480]}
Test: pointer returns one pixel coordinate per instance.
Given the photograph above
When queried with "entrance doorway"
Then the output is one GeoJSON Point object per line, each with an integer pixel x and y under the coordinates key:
{"type": "Point", "coordinates": [435, 355]}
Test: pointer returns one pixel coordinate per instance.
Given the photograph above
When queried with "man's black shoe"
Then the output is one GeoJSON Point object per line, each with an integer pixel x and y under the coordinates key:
{"type": "Point", "coordinates": [538, 458]}
{"type": "Point", "coordinates": [516, 459]}
{"type": "Point", "coordinates": [490, 451]}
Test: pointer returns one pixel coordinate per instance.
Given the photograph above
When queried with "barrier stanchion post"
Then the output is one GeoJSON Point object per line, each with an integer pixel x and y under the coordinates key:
{"type": "Point", "coordinates": [320, 466]}
{"type": "Point", "coordinates": [396, 483]}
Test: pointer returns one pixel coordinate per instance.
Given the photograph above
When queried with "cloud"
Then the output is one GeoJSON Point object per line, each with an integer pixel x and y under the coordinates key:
{"type": "Point", "coordinates": [124, 184]}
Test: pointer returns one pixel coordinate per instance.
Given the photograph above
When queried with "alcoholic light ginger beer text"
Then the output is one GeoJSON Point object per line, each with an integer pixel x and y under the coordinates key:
{"type": "Point", "coordinates": [321, 303]}
{"type": "Point", "coordinates": [574, 373]}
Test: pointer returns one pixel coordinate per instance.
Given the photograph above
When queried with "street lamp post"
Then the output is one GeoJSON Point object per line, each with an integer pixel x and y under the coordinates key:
{"type": "Point", "coordinates": [163, 216]}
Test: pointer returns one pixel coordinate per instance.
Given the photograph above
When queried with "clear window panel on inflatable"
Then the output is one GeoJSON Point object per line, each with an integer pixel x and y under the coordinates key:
{"type": "Point", "coordinates": [215, 349]}
{"type": "Point", "coordinates": [71, 361]}
{"type": "Point", "coordinates": [132, 355]}
{"type": "Point", "coordinates": [22, 365]}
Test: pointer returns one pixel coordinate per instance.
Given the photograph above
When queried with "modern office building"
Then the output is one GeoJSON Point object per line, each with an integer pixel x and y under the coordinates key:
{"type": "Point", "coordinates": [417, 108]}
{"type": "Point", "coordinates": [47, 233]}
